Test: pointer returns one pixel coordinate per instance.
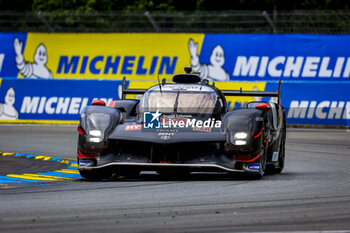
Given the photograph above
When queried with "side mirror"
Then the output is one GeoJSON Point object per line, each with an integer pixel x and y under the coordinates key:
{"type": "Point", "coordinates": [99, 102]}
{"type": "Point", "coordinates": [264, 107]}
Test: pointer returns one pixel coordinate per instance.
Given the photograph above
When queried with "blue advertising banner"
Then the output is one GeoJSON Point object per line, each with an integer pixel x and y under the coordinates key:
{"type": "Point", "coordinates": [8, 53]}
{"type": "Point", "coordinates": [315, 103]}
{"type": "Point", "coordinates": [52, 99]}
{"type": "Point", "coordinates": [271, 57]}
{"type": "Point", "coordinates": [306, 103]}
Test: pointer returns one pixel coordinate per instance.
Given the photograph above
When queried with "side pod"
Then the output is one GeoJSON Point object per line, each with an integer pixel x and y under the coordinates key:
{"type": "Point", "coordinates": [243, 129]}
{"type": "Point", "coordinates": [96, 122]}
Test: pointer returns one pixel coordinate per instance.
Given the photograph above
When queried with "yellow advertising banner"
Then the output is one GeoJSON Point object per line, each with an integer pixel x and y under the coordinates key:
{"type": "Point", "coordinates": [238, 102]}
{"type": "Point", "coordinates": [108, 56]}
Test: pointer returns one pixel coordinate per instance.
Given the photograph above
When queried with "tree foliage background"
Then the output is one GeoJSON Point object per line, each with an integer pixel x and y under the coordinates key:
{"type": "Point", "coordinates": [169, 5]}
{"type": "Point", "coordinates": [209, 16]}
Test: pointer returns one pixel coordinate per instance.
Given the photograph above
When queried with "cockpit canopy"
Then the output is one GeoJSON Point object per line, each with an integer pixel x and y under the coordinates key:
{"type": "Point", "coordinates": [188, 100]}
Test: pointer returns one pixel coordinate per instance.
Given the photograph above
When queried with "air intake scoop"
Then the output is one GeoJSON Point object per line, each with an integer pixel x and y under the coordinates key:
{"type": "Point", "coordinates": [186, 78]}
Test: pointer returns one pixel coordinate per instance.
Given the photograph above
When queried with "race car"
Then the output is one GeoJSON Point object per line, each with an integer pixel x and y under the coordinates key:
{"type": "Point", "coordinates": [180, 128]}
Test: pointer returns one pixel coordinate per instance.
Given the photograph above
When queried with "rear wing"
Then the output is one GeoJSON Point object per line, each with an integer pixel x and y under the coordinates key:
{"type": "Point", "coordinates": [131, 91]}
{"type": "Point", "coordinates": [277, 93]}
{"type": "Point", "coordinates": [256, 93]}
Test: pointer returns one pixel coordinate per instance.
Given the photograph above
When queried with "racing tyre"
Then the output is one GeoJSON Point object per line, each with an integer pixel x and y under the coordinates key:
{"type": "Point", "coordinates": [92, 175]}
{"type": "Point", "coordinates": [281, 156]}
{"type": "Point", "coordinates": [263, 162]}
{"type": "Point", "coordinates": [263, 159]}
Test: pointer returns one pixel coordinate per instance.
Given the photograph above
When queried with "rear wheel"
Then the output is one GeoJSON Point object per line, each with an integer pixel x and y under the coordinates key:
{"type": "Point", "coordinates": [276, 166]}
{"type": "Point", "coordinates": [281, 156]}
{"type": "Point", "coordinates": [263, 155]}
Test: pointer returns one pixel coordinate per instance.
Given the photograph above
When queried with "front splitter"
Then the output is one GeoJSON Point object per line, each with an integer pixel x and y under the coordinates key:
{"type": "Point", "coordinates": [157, 166]}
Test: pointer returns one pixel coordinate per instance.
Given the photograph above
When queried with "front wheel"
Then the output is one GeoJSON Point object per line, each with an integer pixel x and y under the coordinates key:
{"type": "Point", "coordinates": [92, 174]}
{"type": "Point", "coordinates": [262, 163]}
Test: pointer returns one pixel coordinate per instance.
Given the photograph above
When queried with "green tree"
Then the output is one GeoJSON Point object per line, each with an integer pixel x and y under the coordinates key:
{"type": "Point", "coordinates": [169, 5]}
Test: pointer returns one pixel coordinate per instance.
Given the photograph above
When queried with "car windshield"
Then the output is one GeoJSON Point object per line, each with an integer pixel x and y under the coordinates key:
{"type": "Point", "coordinates": [179, 102]}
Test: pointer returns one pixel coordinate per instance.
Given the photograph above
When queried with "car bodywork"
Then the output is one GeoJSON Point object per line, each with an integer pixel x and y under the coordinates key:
{"type": "Point", "coordinates": [114, 139]}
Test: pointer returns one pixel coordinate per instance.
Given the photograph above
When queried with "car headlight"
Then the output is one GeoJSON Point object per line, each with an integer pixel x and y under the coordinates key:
{"type": "Point", "coordinates": [95, 140]}
{"type": "Point", "coordinates": [241, 135]}
{"type": "Point", "coordinates": [95, 133]}
{"type": "Point", "coordinates": [240, 142]}
{"type": "Point", "coordinates": [95, 136]}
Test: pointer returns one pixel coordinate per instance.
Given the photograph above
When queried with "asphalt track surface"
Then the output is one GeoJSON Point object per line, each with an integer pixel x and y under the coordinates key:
{"type": "Point", "coordinates": [312, 194]}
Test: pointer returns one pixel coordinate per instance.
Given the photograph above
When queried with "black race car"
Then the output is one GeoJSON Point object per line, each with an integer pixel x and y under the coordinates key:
{"type": "Point", "coordinates": [180, 128]}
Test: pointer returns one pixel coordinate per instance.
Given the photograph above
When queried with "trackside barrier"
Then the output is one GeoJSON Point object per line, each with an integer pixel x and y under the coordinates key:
{"type": "Point", "coordinates": [143, 56]}
{"type": "Point", "coordinates": [323, 103]}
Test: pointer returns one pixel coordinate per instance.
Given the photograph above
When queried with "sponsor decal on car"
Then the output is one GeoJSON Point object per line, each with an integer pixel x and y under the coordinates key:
{"type": "Point", "coordinates": [194, 123]}
{"type": "Point", "coordinates": [275, 156]}
{"type": "Point", "coordinates": [252, 167]}
{"type": "Point", "coordinates": [133, 127]}
{"type": "Point", "coordinates": [85, 163]}
{"type": "Point", "coordinates": [153, 120]}
{"type": "Point", "coordinates": [166, 135]}
{"type": "Point", "coordinates": [202, 129]}
{"type": "Point", "coordinates": [259, 118]}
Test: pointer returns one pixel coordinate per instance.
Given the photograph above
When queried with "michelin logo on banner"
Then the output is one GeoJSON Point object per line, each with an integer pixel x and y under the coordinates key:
{"type": "Point", "coordinates": [282, 66]}
{"type": "Point", "coordinates": [305, 109]}
{"type": "Point", "coordinates": [38, 68]}
{"type": "Point", "coordinates": [267, 66]}
{"type": "Point", "coordinates": [315, 103]}
{"type": "Point", "coordinates": [7, 109]}
{"type": "Point", "coordinates": [52, 99]}
{"type": "Point", "coordinates": [137, 56]}
{"type": "Point", "coordinates": [53, 105]}
{"type": "Point", "coordinates": [214, 71]}
{"type": "Point", "coordinates": [286, 57]}
{"type": "Point", "coordinates": [110, 64]}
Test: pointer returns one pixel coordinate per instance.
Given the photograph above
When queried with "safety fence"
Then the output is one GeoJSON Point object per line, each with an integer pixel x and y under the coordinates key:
{"type": "Point", "coordinates": [297, 21]}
